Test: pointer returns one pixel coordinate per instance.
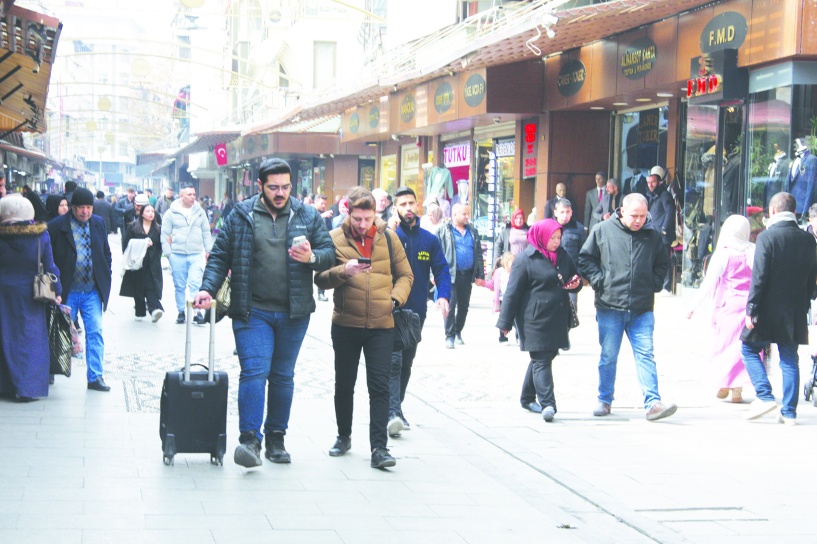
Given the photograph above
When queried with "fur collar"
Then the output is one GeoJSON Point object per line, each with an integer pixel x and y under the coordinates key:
{"type": "Point", "coordinates": [18, 229]}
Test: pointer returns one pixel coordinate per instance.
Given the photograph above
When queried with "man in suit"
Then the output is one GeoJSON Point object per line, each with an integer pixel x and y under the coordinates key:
{"type": "Point", "coordinates": [79, 242]}
{"type": "Point", "coordinates": [610, 201]}
{"type": "Point", "coordinates": [103, 209]}
{"type": "Point", "coordinates": [550, 205]}
{"type": "Point", "coordinates": [592, 200]}
{"type": "Point", "coordinates": [784, 273]}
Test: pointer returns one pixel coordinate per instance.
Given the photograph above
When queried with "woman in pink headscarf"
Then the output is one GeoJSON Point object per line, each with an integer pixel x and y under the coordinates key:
{"type": "Point", "coordinates": [537, 298]}
{"type": "Point", "coordinates": [514, 237]}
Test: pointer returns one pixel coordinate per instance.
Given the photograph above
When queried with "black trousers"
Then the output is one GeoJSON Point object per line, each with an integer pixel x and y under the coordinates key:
{"type": "Point", "coordinates": [377, 345]}
{"type": "Point", "coordinates": [538, 384]}
{"type": "Point", "coordinates": [458, 305]}
{"type": "Point", "coordinates": [152, 296]}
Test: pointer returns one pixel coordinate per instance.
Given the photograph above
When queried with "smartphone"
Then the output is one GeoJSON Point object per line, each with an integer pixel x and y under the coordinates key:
{"type": "Point", "coordinates": [298, 240]}
{"type": "Point", "coordinates": [364, 260]}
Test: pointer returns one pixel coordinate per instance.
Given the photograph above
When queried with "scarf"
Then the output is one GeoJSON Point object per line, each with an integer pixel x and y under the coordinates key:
{"type": "Point", "coordinates": [539, 236]}
{"type": "Point", "coordinates": [779, 217]}
{"type": "Point", "coordinates": [735, 234]}
{"type": "Point", "coordinates": [519, 212]}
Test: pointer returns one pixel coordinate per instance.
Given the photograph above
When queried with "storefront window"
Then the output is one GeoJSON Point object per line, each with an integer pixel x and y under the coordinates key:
{"type": "Point", "coordinates": [318, 177]}
{"type": "Point", "coordinates": [366, 169]}
{"type": "Point", "coordinates": [410, 170]}
{"type": "Point", "coordinates": [494, 198]}
{"type": "Point", "coordinates": [388, 173]}
{"type": "Point", "coordinates": [643, 137]}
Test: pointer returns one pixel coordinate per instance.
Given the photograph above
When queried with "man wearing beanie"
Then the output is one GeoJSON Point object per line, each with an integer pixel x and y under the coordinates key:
{"type": "Point", "coordinates": [80, 245]}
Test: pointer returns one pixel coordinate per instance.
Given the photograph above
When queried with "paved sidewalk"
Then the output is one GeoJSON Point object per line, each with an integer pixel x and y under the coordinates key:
{"type": "Point", "coordinates": [83, 466]}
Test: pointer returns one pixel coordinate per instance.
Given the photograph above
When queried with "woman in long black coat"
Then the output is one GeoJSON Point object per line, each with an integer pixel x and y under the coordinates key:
{"type": "Point", "coordinates": [537, 297]}
{"type": "Point", "coordinates": [145, 285]}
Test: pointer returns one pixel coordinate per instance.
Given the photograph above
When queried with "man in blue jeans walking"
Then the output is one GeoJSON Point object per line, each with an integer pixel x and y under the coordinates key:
{"type": "Point", "coordinates": [272, 243]}
{"type": "Point", "coordinates": [625, 262]}
{"type": "Point", "coordinates": [784, 273]}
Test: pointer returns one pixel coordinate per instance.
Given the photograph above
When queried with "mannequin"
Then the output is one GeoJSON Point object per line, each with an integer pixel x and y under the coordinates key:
{"type": "Point", "coordinates": [636, 183]}
{"type": "Point", "coordinates": [463, 193]}
{"type": "Point", "coordinates": [778, 170]}
{"type": "Point", "coordinates": [801, 180]}
{"type": "Point", "coordinates": [439, 186]}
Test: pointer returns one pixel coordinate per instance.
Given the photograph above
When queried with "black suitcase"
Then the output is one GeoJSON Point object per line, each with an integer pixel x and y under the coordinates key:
{"type": "Point", "coordinates": [193, 417]}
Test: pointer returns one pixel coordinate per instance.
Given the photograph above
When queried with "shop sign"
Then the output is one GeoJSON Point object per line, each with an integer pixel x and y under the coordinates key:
{"type": "Point", "coordinates": [639, 58]}
{"type": "Point", "coordinates": [726, 30]}
{"type": "Point", "coordinates": [648, 127]}
{"type": "Point", "coordinates": [706, 77]}
{"type": "Point", "coordinates": [443, 97]}
{"type": "Point", "coordinates": [250, 145]}
{"type": "Point", "coordinates": [529, 133]}
{"type": "Point", "coordinates": [505, 148]}
{"type": "Point", "coordinates": [571, 77]}
{"type": "Point", "coordinates": [407, 108]}
{"type": "Point", "coordinates": [264, 141]}
{"type": "Point", "coordinates": [474, 90]}
{"type": "Point", "coordinates": [457, 155]}
{"type": "Point", "coordinates": [354, 123]}
{"type": "Point", "coordinates": [374, 117]}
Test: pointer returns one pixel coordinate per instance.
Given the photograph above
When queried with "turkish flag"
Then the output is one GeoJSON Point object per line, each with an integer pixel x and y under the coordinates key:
{"type": "Point", "coordinates": [221, 154]}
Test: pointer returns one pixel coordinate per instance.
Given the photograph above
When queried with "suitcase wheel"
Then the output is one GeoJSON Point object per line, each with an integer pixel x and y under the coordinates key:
{"type": "Point", "coordinates": [217, 460]}
{"type": "Point", "coordinates": [168, 459]}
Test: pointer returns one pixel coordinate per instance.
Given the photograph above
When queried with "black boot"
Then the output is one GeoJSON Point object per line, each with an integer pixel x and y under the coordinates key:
{"type": "Point", "coordinates": [248, 452]}
{"type": "Point", "coordinates": [275, 448]}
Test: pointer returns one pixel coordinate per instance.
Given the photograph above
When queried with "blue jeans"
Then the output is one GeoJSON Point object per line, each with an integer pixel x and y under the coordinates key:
{"type": "Point", "coordinates": [89, 305]}
{"type": "Point", "coordinates": [264, 360]}
{"type": "Point", "coordinates": [789, 367]}
{"type": "Point", "coordinates": [187, 272]}
{"type": "Point", "coordinates": [612, 326]}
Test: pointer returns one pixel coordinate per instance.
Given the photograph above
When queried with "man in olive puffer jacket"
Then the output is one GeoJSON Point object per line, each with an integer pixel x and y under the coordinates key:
{"type": "Point", "coordinates": [270, 301]}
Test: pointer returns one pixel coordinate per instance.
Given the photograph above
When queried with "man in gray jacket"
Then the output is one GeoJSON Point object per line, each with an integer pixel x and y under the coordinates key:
{"type": "Point", "coordinates": [186, 241]}
{"type": "Point", "coordinates": [625, 262]}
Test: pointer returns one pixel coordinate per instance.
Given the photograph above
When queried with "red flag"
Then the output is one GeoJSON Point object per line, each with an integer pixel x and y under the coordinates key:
{"type": "Point", "coordinates": [221, 154]}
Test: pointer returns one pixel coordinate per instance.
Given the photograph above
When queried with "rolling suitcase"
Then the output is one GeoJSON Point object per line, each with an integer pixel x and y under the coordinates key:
{"type": "Point", "coordinates": [193, 417]}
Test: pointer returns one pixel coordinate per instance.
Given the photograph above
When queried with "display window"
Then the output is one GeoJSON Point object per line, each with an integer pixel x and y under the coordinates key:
{"type": "Point", "coordinates": [410, 171]}
{"type": "Point", "coordinates": [388, 173]}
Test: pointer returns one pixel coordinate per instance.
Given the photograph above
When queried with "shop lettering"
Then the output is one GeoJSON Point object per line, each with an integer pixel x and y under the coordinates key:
{"type": "Point", "coordinates": [354, 122]}
{"type": "Point", "coordinates": [703, 85]}
{"type": "Point", "coordinates": [505, 149]}
{"type": "Point", "coordinates": [442, 99]}
{"type": "Point", "coordinates": [530, 168]}
{"type": "Point", "coordinates": [459, 155]}
{"type": "Point", "coordinates": [407, 109]}
{"type": "Point", "coordinates": [722, 35]}
{"type": "Point", "coordinates": [477, 89]}
{"type": "Point", "coordinates": [638, 61]}
{"type": "Point", "coordinates": [572, 77]}
{"type": "Point", "coordinates": [374, 117]}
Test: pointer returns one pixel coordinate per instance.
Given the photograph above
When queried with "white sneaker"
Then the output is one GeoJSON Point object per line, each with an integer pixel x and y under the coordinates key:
{"type": "Point", "coordinates": [787, 421]}
{"type": "Point", "coordinates": [156, 315]}
{"type": "Point", "coordinates": [395, 426]}
{"type": "Point", "coordinates": [759, 408]}
{"type": "Point", "coordinates": [139, 318]}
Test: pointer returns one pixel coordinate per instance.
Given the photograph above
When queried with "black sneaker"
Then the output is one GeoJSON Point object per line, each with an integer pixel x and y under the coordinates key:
{"type": "Point", "coordinates": [248, 452]}
{"type": "Point", "coordinates": [342, 445]}
{"type": "Point", "coordinates": [276, 452]}
{"type": "Point", "coordinates": [382, 459]}
{"type": "Point", "coordinates": [180, 319]}
{"type": "Point", "coordinates": [198, 319]}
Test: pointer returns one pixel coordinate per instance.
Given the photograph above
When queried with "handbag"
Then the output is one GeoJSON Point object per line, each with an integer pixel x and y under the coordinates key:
{"type": "Point", "coordinates": [407, 325]}
{"type": "Point", "coordinates": [61, 335]}
{"type": "Point", "coordinates": [44, 282]}
{"type": "Point", "coordinates": [223, 299]}
{"type": "Point", "coordinates": [573, 320]}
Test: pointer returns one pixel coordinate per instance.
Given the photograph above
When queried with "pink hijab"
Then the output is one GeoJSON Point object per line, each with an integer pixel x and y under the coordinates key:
{"type": "Point", "coordinates": [539, 236]}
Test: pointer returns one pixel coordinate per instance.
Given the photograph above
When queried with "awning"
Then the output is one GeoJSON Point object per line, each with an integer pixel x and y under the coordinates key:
{"type": "Point", "coordinates": [28, 46]}
{"type": "Point", "coordinates": [575, 28]}
{"type": "Point", "coordinates": [206, 140]}
{"type": "Point", "coordinates": [30, 153]}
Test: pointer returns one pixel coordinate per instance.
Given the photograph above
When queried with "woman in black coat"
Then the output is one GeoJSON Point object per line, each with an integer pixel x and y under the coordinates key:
{"type": "Point", "coordinates": [537, 297]}
{"type": "Point", "coordinates": [146, 283]}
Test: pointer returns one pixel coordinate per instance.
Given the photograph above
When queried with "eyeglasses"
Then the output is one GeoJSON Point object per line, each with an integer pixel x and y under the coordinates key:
{"type": "Point", "coordinates": [279, 188]}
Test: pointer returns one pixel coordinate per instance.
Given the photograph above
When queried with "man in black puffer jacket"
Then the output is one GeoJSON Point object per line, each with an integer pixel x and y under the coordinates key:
{"type": "Point", "coordinates": [272, 243]}
{"type": "Point", "coordinates": [625, 262]}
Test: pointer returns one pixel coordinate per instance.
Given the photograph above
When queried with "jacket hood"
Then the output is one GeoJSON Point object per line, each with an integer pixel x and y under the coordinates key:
{"type": "Point", "coordinates": [177, 204]}
{"type": "Point", "coordinates": [22, 229]}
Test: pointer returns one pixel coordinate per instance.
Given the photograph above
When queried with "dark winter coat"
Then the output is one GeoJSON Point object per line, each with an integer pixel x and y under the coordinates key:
{"type": "Point", "coordinates": [65, 254]}
{"type": "Point", "coordinates": [662, 212]}
{"type": "Point", "coordinates": [104, 209]}
{"type": "Point", "coordinates": [537, 301]}
{"type": "Point", "coordinates": [446, 236]}
{"type": "Point", "coordinates": [24, 353]}
{"type": "Point", "coordinates": [425, 255]}
{"type": "Point", "coordinates": [783, 282]}
{"type": "Point", "coordinates": [573, 238]}
{"type": "Point", "coordinates": [233, 250]}
{"type": "Point", "coordinates": [134, 282]}
{"type": "Point", "coordinates": [625, 268]}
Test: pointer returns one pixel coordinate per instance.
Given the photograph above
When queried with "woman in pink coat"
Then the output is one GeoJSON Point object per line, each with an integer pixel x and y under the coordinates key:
{"type": "Point", "coordinates": [727, 282]}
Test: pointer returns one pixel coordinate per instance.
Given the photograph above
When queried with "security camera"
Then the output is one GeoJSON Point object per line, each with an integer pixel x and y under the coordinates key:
{"type": "Point", "coordinates": [497, 120]}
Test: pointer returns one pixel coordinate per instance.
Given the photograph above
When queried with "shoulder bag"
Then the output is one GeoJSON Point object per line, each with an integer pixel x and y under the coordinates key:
{"type": "Point", "coordinates": [407, 324]}
{"type": "Point", "coordinates": [44, 282]}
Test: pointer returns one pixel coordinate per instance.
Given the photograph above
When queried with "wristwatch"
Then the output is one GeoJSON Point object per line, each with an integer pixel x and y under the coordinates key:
{"type": "Point", "coordinates": [312, 259]}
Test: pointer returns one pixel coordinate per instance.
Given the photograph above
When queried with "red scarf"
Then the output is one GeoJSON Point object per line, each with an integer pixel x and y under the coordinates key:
{"type": "Point", "coordinates": [539, 236]}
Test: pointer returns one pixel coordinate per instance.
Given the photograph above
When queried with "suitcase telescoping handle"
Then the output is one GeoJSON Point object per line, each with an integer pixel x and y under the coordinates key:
{"type": "Point", "coordinates": [188, 342]}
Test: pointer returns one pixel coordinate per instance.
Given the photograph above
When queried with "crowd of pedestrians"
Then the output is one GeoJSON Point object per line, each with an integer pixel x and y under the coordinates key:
{"type": "Point", "coordinates": [374, 253]}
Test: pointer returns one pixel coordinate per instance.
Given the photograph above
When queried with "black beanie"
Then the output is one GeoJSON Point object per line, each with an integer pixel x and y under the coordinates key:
{"type": "Point", "coordinates": [82, 197]}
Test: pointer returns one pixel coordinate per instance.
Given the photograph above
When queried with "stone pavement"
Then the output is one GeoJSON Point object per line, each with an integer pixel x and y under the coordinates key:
{"type": "Point", "coordinates": [83, 466]}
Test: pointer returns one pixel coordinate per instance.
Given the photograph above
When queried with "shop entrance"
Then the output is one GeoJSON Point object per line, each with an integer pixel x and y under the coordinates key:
{"type": "Point", "coordinates": [714, 180]}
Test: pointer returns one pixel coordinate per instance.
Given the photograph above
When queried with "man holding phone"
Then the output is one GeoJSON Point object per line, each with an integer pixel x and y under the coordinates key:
{"type": "Point", "coordinates": [272, 243]}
